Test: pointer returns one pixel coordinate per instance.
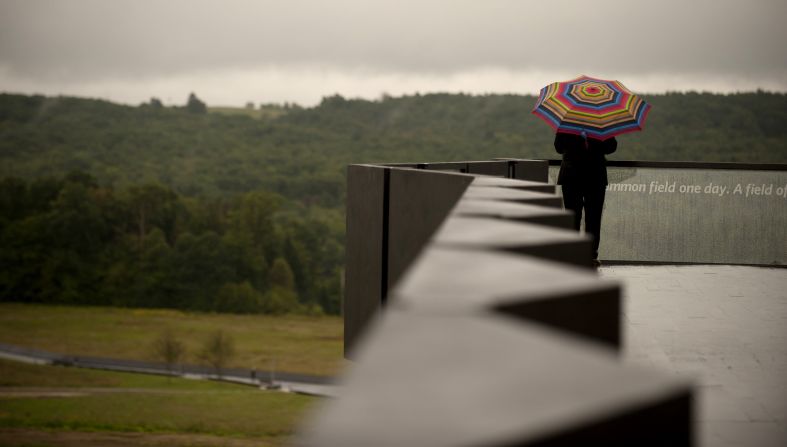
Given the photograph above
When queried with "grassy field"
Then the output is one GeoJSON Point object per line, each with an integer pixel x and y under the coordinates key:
{"type": "Point", "coordinates": [59, 406]}
{"type": "Point", "coordinates": [303, 344]}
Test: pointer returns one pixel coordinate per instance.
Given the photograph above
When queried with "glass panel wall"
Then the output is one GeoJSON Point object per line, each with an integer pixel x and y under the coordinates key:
{"type": "Point", "coordinates": [723, 216]}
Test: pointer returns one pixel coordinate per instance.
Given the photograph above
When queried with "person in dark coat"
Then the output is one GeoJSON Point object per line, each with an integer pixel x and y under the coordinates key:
{"type": "Point", "coordinates": [583, 179]}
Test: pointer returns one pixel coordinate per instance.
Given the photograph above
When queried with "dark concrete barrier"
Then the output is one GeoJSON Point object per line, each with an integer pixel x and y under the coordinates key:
{"type": "Point", "coordinates": [364, 248]}
{"type": "Point", "coordinates": [514, 168]}
{"type": "Point", "coordinates": [391, 214]}
{"type": "Point", "coordinates": [502, 182]}
{"type": "Point", "coordinates": [450, 281]}
{"type": "Point", "coordinates": [392, 211]}
{"type": "Point", "coordinates": [419, 203]}
{"type": "Point", "coordinates": [495, 168]}
{"type": "Point", "coordinates": [518, 237]}
{"type": "Point", "coordinates": [491, 334]}
{"type": "Point", "coordinates": [513, 195]}
{"type": "Point", "coordinates": [483, 380]}
{"type": "Point", "coordinates": [535, 170]}
{"type": "Point", "coordinates": [515, 212]}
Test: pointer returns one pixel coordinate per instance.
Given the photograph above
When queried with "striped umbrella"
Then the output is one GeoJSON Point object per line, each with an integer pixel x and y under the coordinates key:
{"type": "Point", "coordinates": [592, 107]}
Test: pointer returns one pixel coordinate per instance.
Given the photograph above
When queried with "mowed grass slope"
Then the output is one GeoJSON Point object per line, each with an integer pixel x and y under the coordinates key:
{"type": "Point", "coordinates": [302, 344]}
{"type": "Point", "coordinates": [50, 405]}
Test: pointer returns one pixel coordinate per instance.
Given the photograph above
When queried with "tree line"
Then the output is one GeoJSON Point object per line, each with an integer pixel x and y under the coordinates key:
{"type": "Point", "coordinates": [197, 208]}
{"type": "Point", "coordinates": [71, 240]}
{"type": "Point", "coordinates": [301, 153]}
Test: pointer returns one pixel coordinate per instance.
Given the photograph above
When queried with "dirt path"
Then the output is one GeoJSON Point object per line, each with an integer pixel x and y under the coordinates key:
{"type": "Point", "coordinates": [25, 437]}
{"type": "Point", "coordinates": [10, 393]}
{"type": "Point", "coordinates": [34, 392]}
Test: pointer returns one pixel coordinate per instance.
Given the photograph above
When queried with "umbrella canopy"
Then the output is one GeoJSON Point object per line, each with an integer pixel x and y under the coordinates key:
{"type": "Point", "coordinates": [594, 107]}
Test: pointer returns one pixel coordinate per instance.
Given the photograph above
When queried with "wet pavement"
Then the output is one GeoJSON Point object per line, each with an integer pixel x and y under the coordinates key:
{"type": "Point", "coordinates": [725, 327]}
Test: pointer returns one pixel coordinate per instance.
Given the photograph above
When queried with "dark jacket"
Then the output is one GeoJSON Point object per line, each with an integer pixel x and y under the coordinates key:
{"type": "Point", "coordinates": [583, 165]}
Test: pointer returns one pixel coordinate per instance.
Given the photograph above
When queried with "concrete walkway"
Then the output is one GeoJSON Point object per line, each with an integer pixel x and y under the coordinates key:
{"type": "Point", "coordinates": [299, 383]}
{"type": "Point", "coordinates": [724, 326]}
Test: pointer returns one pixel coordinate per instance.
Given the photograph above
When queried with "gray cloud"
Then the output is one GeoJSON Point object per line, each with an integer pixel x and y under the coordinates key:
{"type": "Point", "coordinates": [78, 41]}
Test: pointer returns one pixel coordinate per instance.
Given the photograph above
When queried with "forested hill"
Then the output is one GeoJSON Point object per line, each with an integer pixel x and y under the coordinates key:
{"type": "Point", "coordinates": [241, 210]}
{"type": "Point", "coordinates": [301, 153]}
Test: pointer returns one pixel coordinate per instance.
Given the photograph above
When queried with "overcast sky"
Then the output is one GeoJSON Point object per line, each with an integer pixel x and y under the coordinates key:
{"type": "Point", "coordinates": [230, 51]}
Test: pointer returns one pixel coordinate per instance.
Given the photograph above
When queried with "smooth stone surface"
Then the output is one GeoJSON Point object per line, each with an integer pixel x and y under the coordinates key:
{"type": "Point", "coordinates": [420, 201]}
{"type": "Point", "coordinates": [446, 281]}
{"type": "Point", "coordinates": [520, 237]}
{"type": "Point", "coordinates": [399, 165]}
{"type": "Point", "coordinates": [723, 326]}
{"type": "Point", "coordinates": [363, 255]}
{"type": "Point", "coordinates": [535, 170]}
{"type": "Point", "coordinates": [455, 166]}
{"type": "Point", "coordinates": [521, 212]}
{"type": "Point", "coordinates": [499, 168]}
{"type": "Point", "coordinates": [513, 195]}
{"type": "Point", "coordinates": [514, 183]}
{"type": "Point", "coordinates": [489, 381]}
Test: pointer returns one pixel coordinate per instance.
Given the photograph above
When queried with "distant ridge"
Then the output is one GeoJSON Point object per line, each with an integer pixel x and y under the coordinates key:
{"type": "Point", "coordinates": [301, 152]}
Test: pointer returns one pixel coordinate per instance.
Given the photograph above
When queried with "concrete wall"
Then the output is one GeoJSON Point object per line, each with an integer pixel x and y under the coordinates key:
{"type": "Point", "coordinates": [536, 170]}
{"type": "Point", "coordinates": [366, 191]}
{"type": "Point", "coordinates": [484, 380]}
{"type": "Point", "coordinates": [515, 168]}
{"type": "Point", "coordinates": [484, 338]}
{"type": "Point", "coordinates": [389, 221]}
{"type": "Point", "coordinates": [419, 203]}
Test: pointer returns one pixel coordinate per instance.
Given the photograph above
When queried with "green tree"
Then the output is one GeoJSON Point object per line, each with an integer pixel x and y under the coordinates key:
{"type": "Point", "coordinates": [200, 265]}
{"type": "Point", "coordinates": [252, 221]}
{"type": "Point", "coordinates": [25, 250]}
{"type": "Point", "coordinates": [147, 278]}
{"type": "Point", "coordinates": [253, 235]}
{"type": "Point", "coordinates": [238, 298]}
{"type": "Point", "coordinates": [281, 297]}
{"type": "Point", "coordinates": [217, 351]}
{"type": "Point", "coordinates": [152, 205]}
{"type": "Point", "coordinates": [14, 200]}
{"type": "Point", "coordinates": [169, 349]}
{"type": "Point", "coordinates": [278, 301]}
{"type": "Point", "coordinates": [281, 275]}
{"type": "Point", "coordinates": [77, 235]}
{"type": "Point", "coordinates": [195, 105]}
{"type": "Point", "coordinates": [296, 256]}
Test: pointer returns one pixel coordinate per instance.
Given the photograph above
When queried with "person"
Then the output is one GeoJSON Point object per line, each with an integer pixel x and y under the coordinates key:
{"type": "Point", "coordinates": [583, 179]}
